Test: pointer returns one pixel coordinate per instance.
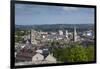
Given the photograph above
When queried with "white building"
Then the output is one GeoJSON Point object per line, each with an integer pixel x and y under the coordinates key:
{"type": "Point", "coordinates": [66, 34]}
{"type": "Point", "coordinates": [50, 59]}
{"type": "Point", "coordinates": [75, 34]}
{"type": "Point", "coordinates": [60, 32]}
{"type": "Point", "coordinates": [44, 36]}
{"type": "Point", "coordinates": [89, 33]}
{"type": "Point", "coordinates": [37, 57]}
{"type": "Point", "coordinates": [39, 51]}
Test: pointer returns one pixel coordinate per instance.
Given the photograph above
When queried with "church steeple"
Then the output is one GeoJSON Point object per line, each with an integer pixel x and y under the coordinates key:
{"type": "Point", "coordinates": [30, 36]}
{"type": "Point", "coordinates": [75, 34]}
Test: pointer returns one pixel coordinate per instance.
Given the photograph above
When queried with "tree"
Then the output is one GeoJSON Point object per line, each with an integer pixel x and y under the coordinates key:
{"type": "Point", "coordinates": [77, 54]}
{"type": "Point", "coordinates": [90, 53]}
{"type": "Point", "coordinates": [18, 39]}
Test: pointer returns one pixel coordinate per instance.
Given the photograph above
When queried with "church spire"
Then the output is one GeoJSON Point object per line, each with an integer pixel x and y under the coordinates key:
{"type": "Point", "coordinates": [75, 34]}
{"type": "Point", "coordinates": [30, 36]}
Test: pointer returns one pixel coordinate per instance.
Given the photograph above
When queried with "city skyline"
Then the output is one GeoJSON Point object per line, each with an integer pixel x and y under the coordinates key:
{"type": "Point", "coordinates": [40, 14]}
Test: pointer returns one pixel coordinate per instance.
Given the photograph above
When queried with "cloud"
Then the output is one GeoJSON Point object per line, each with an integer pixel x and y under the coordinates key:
{"type": "Point", "coordinates": [70, 8]}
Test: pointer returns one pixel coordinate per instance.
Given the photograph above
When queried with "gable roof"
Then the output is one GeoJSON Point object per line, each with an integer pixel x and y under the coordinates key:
{"type": "Point", "coordinates": [37, 57]}
{"type": "Point", "coordinates": [50, 58]}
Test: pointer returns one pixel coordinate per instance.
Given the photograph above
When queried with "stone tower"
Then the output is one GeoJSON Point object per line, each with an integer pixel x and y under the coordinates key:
{"type": "Point", "coordinates": [75, 34]}
{"type": "Point", "coordinates": [33, 36]}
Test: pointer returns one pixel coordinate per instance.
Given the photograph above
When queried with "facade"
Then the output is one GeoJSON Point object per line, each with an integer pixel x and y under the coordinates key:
{"type": "Point", "coordinates": [33, 37]}
{"type": "Point", "coordinates": [75, 35]}
{"type": "Point", "coordinates": [25, 53]}
{"type": "Point", "coordinates": [60, 32]}
{"type": "Point", "coordinates": [50, 58]}
{"type": "Point", "coordinates": [37, 57]}
{"type": "Point", "coordinates": [40, 59]}
{"type": "Point", "coordinates": [66, 34]}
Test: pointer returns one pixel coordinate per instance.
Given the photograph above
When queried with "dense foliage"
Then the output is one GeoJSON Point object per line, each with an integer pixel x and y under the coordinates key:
{"type": "Point", "coordinates": [77, 53]}
{"type": "Point", "coordinates": [19, 33]}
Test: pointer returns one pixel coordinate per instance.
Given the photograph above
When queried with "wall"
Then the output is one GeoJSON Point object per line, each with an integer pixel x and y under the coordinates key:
{"type": "Point", "coordinates": [5, 34]}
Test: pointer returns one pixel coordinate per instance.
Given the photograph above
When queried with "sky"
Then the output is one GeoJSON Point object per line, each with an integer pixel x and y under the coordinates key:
{"type": "Point", "coordinates": [26, 14]}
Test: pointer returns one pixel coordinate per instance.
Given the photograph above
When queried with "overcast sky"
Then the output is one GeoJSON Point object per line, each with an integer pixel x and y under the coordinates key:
{"type": "Point", "coordinates": [26, 14]}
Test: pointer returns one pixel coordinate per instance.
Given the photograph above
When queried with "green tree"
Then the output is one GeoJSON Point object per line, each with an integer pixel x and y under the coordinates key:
{"type": "Point", "coordinates": [90, 53]}
{"type": "Point", "coordinates": [18, 39]}
{"type": "Point", "coordinates": [77, 54]}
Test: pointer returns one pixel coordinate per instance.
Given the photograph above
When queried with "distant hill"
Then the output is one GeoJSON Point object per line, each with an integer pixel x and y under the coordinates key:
{"type": "Point", "coordinates": [56, 27]}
